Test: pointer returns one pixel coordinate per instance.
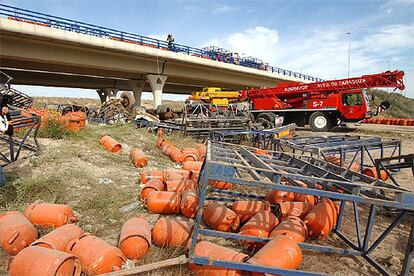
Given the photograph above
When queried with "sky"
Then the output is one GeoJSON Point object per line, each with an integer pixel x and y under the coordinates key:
{"type": "Point", "coordinates": [304, 36]}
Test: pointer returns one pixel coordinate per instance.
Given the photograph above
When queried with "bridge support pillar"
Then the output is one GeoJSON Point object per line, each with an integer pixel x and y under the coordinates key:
{"type": "Point", "coordinates": [157, 84]}
{"type": "Point", "coordinates": [137, 87]}
{"type": "Point", "coordinates": [106, 93]}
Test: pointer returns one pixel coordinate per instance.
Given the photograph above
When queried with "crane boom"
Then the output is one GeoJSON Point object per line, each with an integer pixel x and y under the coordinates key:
{"type": "Point", "coordinates": [387, 79]}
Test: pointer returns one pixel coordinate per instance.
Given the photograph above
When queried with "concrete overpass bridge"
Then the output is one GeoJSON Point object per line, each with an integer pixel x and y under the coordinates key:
{"type": "Point", "coordinates": [40, 49]}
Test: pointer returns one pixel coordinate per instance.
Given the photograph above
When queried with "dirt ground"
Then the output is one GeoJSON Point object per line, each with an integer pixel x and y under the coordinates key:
{"type": "Point", "coordinates": [97, 184]}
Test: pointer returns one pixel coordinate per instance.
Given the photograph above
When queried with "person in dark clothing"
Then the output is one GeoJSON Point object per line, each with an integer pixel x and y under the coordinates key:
{"type": "Point", "coordinates": [5, 113]}
{"type": "Point", "coordinates": [170, 40]}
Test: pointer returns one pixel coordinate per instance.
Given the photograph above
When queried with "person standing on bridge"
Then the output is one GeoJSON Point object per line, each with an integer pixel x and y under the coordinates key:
{"type": "Point", "coordinates": [170, 40]}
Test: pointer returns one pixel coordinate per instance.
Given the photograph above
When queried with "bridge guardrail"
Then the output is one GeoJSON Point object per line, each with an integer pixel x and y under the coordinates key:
{"type": "Point", "coordinates": [51, 21]}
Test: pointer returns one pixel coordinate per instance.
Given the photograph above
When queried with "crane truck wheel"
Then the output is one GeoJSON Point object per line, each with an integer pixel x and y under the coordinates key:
{"type": "Point", "coordinates": [267, 120]}
{"type": "Point", "coordinates": [320, 121]}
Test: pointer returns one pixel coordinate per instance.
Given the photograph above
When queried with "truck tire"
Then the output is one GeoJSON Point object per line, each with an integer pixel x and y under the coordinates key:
{"type": "Point", "coordinates": [267, 120]}
{"type": "Point", "coordinates": [128, 98]}
{"type": "Point", "coordinates": [320, 121]}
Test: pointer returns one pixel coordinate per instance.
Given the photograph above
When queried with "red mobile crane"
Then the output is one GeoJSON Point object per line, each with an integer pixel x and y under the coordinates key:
{"type": "Point", "coordinates": [322, 105]}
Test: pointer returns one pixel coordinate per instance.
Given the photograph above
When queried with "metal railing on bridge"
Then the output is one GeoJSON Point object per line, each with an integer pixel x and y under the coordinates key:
{"type": "Point", "coordinates": [56, 22]}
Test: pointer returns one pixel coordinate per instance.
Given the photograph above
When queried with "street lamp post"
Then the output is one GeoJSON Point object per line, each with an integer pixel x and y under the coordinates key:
{"type": "Point", "coordinates": [349, 51]}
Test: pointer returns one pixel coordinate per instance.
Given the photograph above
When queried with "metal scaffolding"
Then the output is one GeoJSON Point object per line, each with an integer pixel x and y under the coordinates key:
{"type": "Point", "coordinates": [254, 174]}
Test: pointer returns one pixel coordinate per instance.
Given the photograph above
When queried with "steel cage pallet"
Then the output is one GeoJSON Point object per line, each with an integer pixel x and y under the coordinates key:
{"type": "Point", "coordinates": [359, 149]}
{"type": "Point", "coordinates": [227, 162]}
{"type": "Point", "coordinates": [28, 124]}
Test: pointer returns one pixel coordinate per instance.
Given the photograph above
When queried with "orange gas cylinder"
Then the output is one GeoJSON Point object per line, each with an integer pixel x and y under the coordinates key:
{"type": "Point", "coordinates": [96, 255]}
{"type": "Point", "coordinates": [216, 252]}
{"type": "Point", "coordinates": [189, 157]}
{"type": "Point", "coordinates": [151, 174]}
{"type": "Point", "coordinates": [305, 198]}
{"type": "Point", "coordinates": [191, 150]}
{"type": "Point", "coordinates": [16, 232]}
{"type": "Point", "coordinates": [180, 186]}
{"type": "Point", "coordinates": [189, 204]}
{"type": "Point", "coordinates": [163, 202]}
{"type": "Point", "coordinates": [192, 165]}
{"type": "Point", "coordinates": [262, 152]}
{"type": "Point", "coordinates": [175, 176]}
{"type": "Point", "coordinates": [36, 260]}
{"type": "Point", "coordinates": [372, 172]}
{"type": "Point", "coordinates": [59, 238]}
{"type": "Point", "coordinates": [222, 185]}
{"type": "Point", "coordinates": [293, 227]}
{"type": "Point", "coordinates": [260, 225]}
{"type": "Point", "coordinates": [110, 144]}
{"type": "Point", "coordinates": [172, 232]}
{"type": "Point", "coordinates": [138, 158]}
{"type": "Point", "coordinates": [159, 142]}
{"type": "Point", "coordinates": [73, 122]}
{"type": "Point", "coordinates": [202, 151]}
{"type": "Point", "coordinates": [82, 117]}
{"type": "Point", "coordinates": [151, 185]}
{"type": "Point", "coordinates": [322, 218]}
{"type": "Point", "coordinates": [135, 238]}
{"type": "Point", "coordinates": [47, 214]}
{"type": "Point", "coordinates": [296, 209]}
{"type": "Point", "coordinates": [194, 175]}
{"type": "Point", "coordinates": [276, 196]}
{"type": "Point", "coordinates": [184, 173]}
{"type": "Point", "coordinates": [280, 252]}
{"type": "Point", "coordinates": [246, 209]}
{"type": "Point", "coordinates": [220, 218]}
{"type": "Point", "coordinates": [176, 155]}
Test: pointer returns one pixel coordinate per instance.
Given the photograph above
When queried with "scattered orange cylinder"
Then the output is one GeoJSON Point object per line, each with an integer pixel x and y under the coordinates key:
{"type": "Point", "coordinates": [16, 232]}
{"type": "Point", "coordinates": [36, 260]}
{"type": "Point", "coordinates": [246, 209]}
{"type": "Point", "coordinates": [222, 185]}
{"type": "Point", "coordinates": [138, 158]}
{"type": "Point", "coordinates": [194, 175]}
{"type": "Point", "coordinates": [96, 255]}
{"type": "Point", "coordinates": [47, 214]}
{"type": "Point", "coordinates": [220, 218]}
{"type": "Point", "coordinates": [279, 252]}
{"type": "Point", "coordinates": [305, 198]}
{"type": "Point", "coordinates": [260, 225]}
{"type": "Point", "coordinates": [262, 152]}
{"type": "Point", "coordinates": [176, 155]}
{"type": "Point", "coordinates": [192, 165]}
{"type": "Point", "coordinates": [293, 227]}
{"type": "Point", "coordinates": [171, 232]}
{"type": "Point", "coordinates": [152, 185]}
{"type": "Point", "coordinates": [297, 209]}
{"type": "Point", "coordinates": [135, 238]}
{"type": "Point", "coordinates": [189, 157]}
{"type": "Point", "coordinates": [372, 172]}
{"type": "Point", "coordinates": [202, 150]}
{"type": "Point", "coordinates": [59, 238]}
{"type": "Point", "coordinates": [151, 174]}
{"type": "Point", "coordinates": [110, 144]}
{"type": "Point", "coordinates": [183, 173]}
{"type": "Point", "coordinates": [189, 204]}
{"type": "Point", "coordinates": [216, 252]}
{"type": "Point", "coordinates": [179, 186]}
{"type": "Point", "coordinates": [163, 202]}
{"type": "Point", "coordinates": [276, 196]}
{"type": "Point", "coordinates": [322, 218]}
{"type": "Point", "coordinates": [175, 176]}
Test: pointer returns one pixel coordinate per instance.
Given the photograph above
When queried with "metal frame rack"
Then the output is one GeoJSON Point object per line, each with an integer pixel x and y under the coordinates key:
{"type": "Point", "coordinates": [263, 139]}
{"type": "Point", "coordinates": [359, 149]}
{"type": "Point", "coordinates": [241, 166]}
{"type": "Point", "coordinates": [26, 123]}
{"type": "Point", "coordinates": [389, 164]}
{"type": "Point", "coordinates": [56, 22]}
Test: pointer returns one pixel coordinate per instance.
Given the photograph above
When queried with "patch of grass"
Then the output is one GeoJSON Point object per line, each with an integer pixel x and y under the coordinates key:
{"type": "Point", "coordinates": [23, 191]}
{"type": "Point", "coordinates": [53, 130]}
{"type": "Point", "coordinates": [401, 107]}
